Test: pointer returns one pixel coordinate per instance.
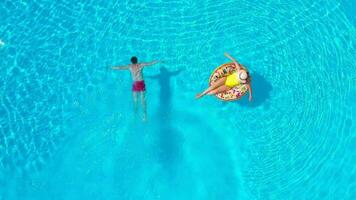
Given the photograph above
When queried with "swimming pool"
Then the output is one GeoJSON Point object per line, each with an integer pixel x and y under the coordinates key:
{"type": "Point", "coordinates": [67, 128]}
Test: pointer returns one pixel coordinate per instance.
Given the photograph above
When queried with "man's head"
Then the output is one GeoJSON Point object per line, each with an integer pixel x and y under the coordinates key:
{"type": "Point", "coordinates": [134, 60]}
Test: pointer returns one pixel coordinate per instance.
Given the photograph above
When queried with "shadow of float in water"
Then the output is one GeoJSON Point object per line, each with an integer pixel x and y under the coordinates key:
{"type": "Point", "coordinates": [261, 89]}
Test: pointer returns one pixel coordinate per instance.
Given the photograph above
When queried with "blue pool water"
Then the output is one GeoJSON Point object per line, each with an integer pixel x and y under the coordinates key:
{"type": "Point", "coordinates": [66, 125]}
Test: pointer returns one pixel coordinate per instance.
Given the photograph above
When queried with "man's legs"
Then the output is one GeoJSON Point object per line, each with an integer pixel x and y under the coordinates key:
{"type": "Point", "coordinates": [143, 101]}
{"type": "Point", "coordinates": [134, 95]}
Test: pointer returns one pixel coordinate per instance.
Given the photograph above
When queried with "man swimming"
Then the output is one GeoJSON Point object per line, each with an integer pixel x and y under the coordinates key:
{"type": "Point", "coordinates": [138, 87]}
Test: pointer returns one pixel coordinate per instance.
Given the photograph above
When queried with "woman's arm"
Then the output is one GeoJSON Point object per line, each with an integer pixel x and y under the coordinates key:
{"type": "Point", "coordinates": [233, 60]}
{"type": "Point", "coordinates": [121, 67]}
{"type": "Point", "coordinates": [250, 92]}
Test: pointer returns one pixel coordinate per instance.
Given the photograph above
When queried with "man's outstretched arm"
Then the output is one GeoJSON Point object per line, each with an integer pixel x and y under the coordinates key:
{"type": "Point", "coordinates": [149, 63]}
{"type": "Point", "coordinates": [120, 67]}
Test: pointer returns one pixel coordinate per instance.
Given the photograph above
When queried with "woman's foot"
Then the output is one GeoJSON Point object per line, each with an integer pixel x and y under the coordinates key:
{"type": "Point", "coordinates": [198, 96]}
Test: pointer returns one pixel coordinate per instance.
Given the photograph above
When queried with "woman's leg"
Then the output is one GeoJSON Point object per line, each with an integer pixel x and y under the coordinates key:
{"type": "Point", "coordinates": [220, 89]}
{"type": "Point", "coordinates": [215, 85]}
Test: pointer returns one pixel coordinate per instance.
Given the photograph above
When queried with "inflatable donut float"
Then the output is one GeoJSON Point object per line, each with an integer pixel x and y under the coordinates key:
{"type": "Point", "coordinates": [234, 93]}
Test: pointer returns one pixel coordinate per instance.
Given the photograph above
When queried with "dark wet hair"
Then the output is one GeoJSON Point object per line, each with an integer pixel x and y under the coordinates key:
{"type": "Point", "coordinates": [134, 60]}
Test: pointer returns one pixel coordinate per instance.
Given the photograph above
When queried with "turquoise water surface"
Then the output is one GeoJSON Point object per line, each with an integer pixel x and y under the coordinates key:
{"type": "Point", "coordinates": [67, 130]}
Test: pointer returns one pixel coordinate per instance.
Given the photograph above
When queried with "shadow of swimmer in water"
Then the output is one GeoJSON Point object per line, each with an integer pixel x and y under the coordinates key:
{"type": "Point", "coordinates": [169, 138]}
{"type": "Point", "coordinates": [165, 96]}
